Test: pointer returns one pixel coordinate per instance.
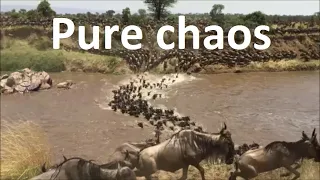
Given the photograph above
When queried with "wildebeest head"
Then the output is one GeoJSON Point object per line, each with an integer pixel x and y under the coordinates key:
{"type": "Point", "coordinates": [228, 146]}
{"type": "Point", "coordinates": [125, 173]}
{"type": "Point", "coordinates": [131, 157]}
{"type": "Point", "coordinates": [311, 146]}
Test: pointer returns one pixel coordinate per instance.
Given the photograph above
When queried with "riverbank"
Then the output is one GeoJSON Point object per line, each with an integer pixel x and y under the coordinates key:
{"type": "Point", "coordinates": [32, 48]}
{"type": "Point", "coordinates": [37, 55]}
{"type": "Point", "coordinates": [24, 149]}
{"type": "Point", "coordinates": [19, 54]}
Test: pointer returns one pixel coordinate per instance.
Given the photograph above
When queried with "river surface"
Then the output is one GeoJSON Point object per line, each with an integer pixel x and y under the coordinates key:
{"type": "Point", "coordinates": [260, 107]}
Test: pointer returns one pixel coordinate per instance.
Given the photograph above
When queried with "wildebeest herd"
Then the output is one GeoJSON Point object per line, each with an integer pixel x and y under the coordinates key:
{"type": "Point", "coordinates": [189, 60]}
{"type": "Point", "coordinates": [188, 145]}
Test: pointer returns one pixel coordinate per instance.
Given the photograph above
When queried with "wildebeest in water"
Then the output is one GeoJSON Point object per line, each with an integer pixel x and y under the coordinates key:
{"type": "Point", "coordinates": [80, 169]}
{"type": "Point", "coordinates": [275, 155]}
{"type": "Point", "coordinates": [185, 148]}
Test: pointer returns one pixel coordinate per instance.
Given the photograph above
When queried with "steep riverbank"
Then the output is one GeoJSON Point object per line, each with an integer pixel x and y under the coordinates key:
{"type": "Point", "coordinates": [31, 47]}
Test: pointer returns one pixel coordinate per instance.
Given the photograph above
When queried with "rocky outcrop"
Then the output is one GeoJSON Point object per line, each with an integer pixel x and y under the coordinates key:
{"type": "Point", "coordinates": [24, 81]}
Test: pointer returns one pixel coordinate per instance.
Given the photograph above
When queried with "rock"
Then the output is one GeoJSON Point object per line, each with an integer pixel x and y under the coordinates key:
{"type": "Point", "coordinates": [35, 83]}
{"type": "Point", "coordinates": [27, 72]}
{"type": "Point", "coordinates": [34, 86]}
{"type": "Point", "coordinates": [10, 82]}
{"type": "Point", "coordinates": [25, 83]}
{"type": "Point", "coordinates": [20, 88]}
{"type": "Point", "coordinates": [8, 90]}
{"type": "Point", "coordinates": [3, 82]}
{"type": "Point", "coordinates": [17, 77]}
{"type": "Point", "coordinates": [140, 124]}
{"type": "Point", "coordinates": [45, 78]}
{"type": "Point", "coordinates": [45, 86]}
{"type": "Point", "coordinates": [26, 80]}
{"type": "Point", "coordinates": [65, 85]}
{"type": "Point", "coordinates": [5, 76]}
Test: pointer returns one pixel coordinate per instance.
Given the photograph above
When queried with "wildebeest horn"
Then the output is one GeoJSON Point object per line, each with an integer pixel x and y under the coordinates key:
{"type": "Point", "coordinates": [64, 158]}
{"type": "Point", "coordinates": [43, 168]}
{"type": "Point", "coordinates": [304, 135]}
{"type": "Point", "coordinates": [225, 126]}
{"type": "Point", "coordinates": [314, 132]}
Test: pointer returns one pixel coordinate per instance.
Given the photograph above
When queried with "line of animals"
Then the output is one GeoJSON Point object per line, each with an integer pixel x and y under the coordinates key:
{"type": "Point", "coordinates": [188, 60]}
{"type": "Point", "coordinates": [188, 145]}
{"type": "Point", "coordinates": [188, 148]}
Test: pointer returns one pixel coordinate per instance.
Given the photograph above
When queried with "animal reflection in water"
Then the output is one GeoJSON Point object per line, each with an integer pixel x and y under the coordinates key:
{"type": "Point", "coordinates": [185, 148]}
{"type": "Point", "coordinates": [81, 169]}
{"type": "Point", "coordinates": [275, 155]}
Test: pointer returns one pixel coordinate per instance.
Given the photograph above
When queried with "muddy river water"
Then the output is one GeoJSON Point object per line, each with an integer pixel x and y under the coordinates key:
{"type": "Point", "coordinates": [260, 107]}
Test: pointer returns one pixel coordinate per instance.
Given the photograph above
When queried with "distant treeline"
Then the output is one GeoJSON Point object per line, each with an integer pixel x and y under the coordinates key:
{"type": "Point", "coordinates": [158, 14]}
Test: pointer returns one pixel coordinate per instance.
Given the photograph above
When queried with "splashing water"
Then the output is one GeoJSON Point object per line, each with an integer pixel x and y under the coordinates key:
{"type": "Point", "coordinates": [171, 80]}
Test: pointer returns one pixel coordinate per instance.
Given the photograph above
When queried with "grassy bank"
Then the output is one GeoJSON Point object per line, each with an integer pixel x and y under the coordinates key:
{"type": "Point", "coordinates": [35, 52]}
{"type": "Point", "coordinates": [39, 55]}
{"type": "Point", "coordinates": [24, 149]}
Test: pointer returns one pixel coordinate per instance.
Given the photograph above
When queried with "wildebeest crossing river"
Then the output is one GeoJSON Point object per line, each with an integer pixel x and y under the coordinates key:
{"type": "Point", "coordinates": [260, 107]}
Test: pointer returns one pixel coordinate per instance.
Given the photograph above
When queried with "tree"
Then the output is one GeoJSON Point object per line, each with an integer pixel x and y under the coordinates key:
{"type": "Point", "coordinates": [142, 13]}
{"type": "Point", "coordinates": [255, 19]}
{"type": "Point", "coordinates": [32, 14]}
{"type": "Point", "coordinates": [126, 15]}
{"type": "Point", "coordinates": [22, 11]}
{"type": "Point", "coordinates": [216, 13]}
{"type": "Point", "coordinates": [159, 7]}
{"type": "Point", "coordinates": [110, 13]}
{"type": "Point", "coordinates": [44, 9]}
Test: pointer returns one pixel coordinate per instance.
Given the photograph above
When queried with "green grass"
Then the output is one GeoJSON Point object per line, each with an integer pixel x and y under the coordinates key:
{"type": "Point", "coordinates": [37, 54]}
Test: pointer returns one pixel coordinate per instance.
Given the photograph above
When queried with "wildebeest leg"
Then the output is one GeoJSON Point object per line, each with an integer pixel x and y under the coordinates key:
{"type": "Point", "coordinates": [292, 170]}
{"type": "Point", "coordinates": [288, 173]}
{"type": "Point", "coordinates": [184, 173]}
{"type": "Point", "coordinates": [201, 170]}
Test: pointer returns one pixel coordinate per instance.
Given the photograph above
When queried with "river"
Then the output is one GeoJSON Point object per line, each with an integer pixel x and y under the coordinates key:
{"type": "Point", "coordinates": [260, 107]}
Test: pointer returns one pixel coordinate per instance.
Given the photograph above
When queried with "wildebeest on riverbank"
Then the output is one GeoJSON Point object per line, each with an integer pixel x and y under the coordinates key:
{"type": "Point", "coordinates": [275, 155]}
{"type": "Point", "coordinates": [80, 169]}
{"type": "Point", "coordinates": [185, 148]}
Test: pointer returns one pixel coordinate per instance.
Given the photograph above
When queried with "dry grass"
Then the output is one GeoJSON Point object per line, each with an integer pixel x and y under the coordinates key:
{"type": "Point", "coordinates": [309, 171]}
{"type": "Point", "coordinates": [24, 149]}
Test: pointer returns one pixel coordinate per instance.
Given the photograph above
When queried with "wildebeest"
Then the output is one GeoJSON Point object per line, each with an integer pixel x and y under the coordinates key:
{"type": "Point", "coordinates": [128, 152]}
{"type": "Point", "coordinates": [185, 148]}
{"type": "Point", "coordinates": [275, 155]}
{"type": "Point", "coordinates": [77, 168]}
{"type": "Point", "coordinates": [80, 169]}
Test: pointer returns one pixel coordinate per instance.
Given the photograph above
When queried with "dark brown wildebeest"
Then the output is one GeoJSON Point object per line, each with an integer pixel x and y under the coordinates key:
{"type": "Point", "coordinates": [80, 169]}
{"type": "Point", "coordinates": [185, 148]}
{"type": "Point", "coordinates": [275, 155]}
